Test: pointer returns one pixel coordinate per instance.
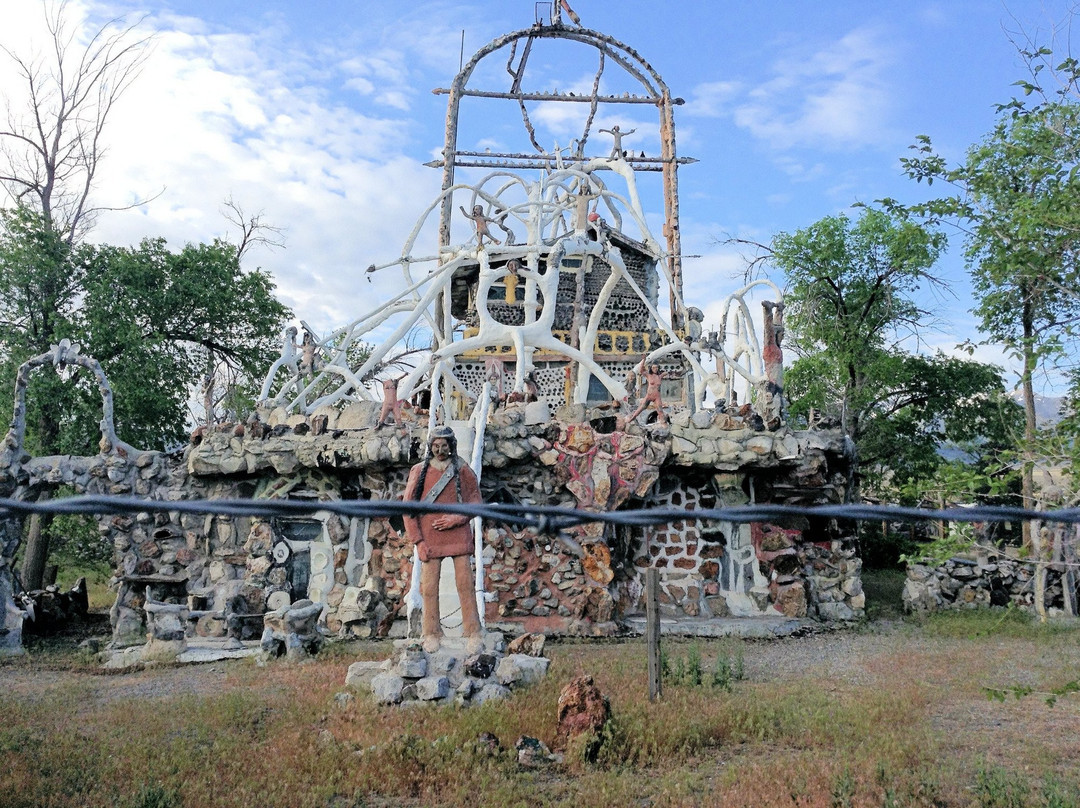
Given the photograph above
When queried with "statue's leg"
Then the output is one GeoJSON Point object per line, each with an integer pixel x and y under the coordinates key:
{"type": "Point", "coordinates": [431, 627]}
{"type": "Point", "coordinates": [470, 617]}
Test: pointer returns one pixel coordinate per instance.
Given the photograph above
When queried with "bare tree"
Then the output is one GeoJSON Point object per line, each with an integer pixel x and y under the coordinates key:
{"type": "Point", "coordinates": [51, 144]}
{"type": "Point", "coordinates": [253, 230]}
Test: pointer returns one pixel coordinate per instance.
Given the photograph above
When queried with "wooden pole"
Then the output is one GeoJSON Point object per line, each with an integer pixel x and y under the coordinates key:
{"type": "Point", "coordinates": [652, 629]}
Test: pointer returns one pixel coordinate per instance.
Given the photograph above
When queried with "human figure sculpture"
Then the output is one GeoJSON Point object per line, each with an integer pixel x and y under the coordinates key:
{"type": "Point", "coordinates": [481, 221]}
{"type": "Point", "coordinates": [308, 358]}
{"type": "Point", "coordinates": [695, 317]}
{"type": "Point", "coordinates": [391, 404]}
{"type": "Point", "coordinates": [500, 222]}
{"type": "Point", "coordinates": [653, 378]}
{"type": "Point", "coordinates": [617, 136]}
{"type": "Point", "coordinates": [772, 354]}
{"type": "Point", "coordinates": [443, 477]}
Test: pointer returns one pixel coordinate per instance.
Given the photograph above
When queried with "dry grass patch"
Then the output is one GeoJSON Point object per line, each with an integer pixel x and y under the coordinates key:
{"type": "Point", "coordinates": [885, 717]}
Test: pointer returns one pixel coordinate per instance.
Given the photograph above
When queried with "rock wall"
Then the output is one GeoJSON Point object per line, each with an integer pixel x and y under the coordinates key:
{"type": "Point", "coordinates": [228, 572]}
{"type": "Point", "coordinates": [980, 579]}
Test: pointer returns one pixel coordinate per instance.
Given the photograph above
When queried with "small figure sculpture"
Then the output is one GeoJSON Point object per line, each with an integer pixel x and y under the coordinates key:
{"type": "Point", "coordinates": [391, 404]}
{"type": "Point", "coordinates": [500, 222]}
{"type": "Point", "coordinates": [532, 387]}
{"type": "Point", "coordinates": [695, 317]}
{"type": "Point", "coordinates": [309, 360]}
{"type": "Point", "coordinates": [481, 221]}
{"type": "Point", "coordinates": [617, 135]}
{"type": "Point", "coordinates": [653, 379]}
{"type": "Point", "coordinates": [443, 477]}
{"type": "Point", "coordinates": [631, 384]}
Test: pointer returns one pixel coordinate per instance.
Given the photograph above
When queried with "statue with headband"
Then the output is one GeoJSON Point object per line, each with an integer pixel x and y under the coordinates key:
{"type": "Point", "coordinates": [444, 477]}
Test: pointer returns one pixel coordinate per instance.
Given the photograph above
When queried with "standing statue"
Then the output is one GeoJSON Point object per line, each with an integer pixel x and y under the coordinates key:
{"type": "Point", "coordinates": [771, 353]}
{"type": "Point", "coordinates": [617, 136]}
{"type": "Point", "coordinates": [653, 378]}
{"type": "Point", "coordinates": [772, 356]}
{"type": "Point", "coordinates": [443, 477]}
{"type": "Point", "coordinates": [391, 404]}
{"type": "Point", "coordinates": [481, 221]}
{"type": "Point", "coordinates": [309, 358]}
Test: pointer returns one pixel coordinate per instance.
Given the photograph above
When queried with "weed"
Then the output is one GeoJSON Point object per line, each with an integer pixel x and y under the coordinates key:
{"type": "Point", "coordinates": [156, 796]}
{"type": "Point", "coordinates": [999, 788]}
{"type": "Point", "coordinates": [1056, 794]}
{"type": "Point", "coordinates": [729, 668]}
{"type": "Point", "coordinates": [843, 790]}
{"type": "Point", "coordinates": [693, 665]}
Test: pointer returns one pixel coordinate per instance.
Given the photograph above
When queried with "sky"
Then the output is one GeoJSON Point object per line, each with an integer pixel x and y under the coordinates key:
{"type": "Point", "coordinates": [319, 116]}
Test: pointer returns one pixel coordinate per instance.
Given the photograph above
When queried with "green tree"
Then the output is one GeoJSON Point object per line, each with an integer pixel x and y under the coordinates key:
{"type": "Point", "coordinates": [850, 300]}
{"type": "Point", "coordinates": [154, 318]}
{"type": "Point", "coordinates": [1014, 197]}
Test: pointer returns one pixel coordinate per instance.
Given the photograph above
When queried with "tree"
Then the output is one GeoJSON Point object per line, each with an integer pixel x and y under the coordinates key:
{"type": "Point", "coordinates": [156, 319]}
{"type": "Point", "coordinates": [850, 308]}
{"type": "Point", "coordinates": [1014, 198]}
{"type": "Point", "coordinates": [51, 148]}
{"type": "Point", "coordinates": [153, 317]}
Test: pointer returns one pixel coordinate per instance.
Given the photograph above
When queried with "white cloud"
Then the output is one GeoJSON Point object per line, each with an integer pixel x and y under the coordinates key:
{"type": "Point", "coordinates": [220, 114]}
{"type": "Point", "coordinates": [835, 96]}
{"type": "Point", "coordinates": [711, 99]}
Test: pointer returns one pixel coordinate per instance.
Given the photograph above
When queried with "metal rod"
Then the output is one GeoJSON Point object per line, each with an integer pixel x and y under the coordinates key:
{"type": "Point", "coordinates": [552, 96]}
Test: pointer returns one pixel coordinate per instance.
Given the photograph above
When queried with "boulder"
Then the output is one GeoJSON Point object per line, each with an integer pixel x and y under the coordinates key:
{"type": "Point", "coordinates": [519, 669]}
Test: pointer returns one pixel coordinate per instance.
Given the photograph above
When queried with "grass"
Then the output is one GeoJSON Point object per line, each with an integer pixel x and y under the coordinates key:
{"type": "Point", "coordinates": [904, 723]}
{"type": "Point", "coordinates": [883, 589]}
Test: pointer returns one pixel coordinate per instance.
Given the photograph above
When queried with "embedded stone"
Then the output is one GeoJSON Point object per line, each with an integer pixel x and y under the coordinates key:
{"type": "Point", "coordinates": [387, 688]}
{"type": "Point", "coordinates": [430, 688]}
{"type": "Point", "coordinates": [528, 644]}
{"type": "Point", "coordinates": [361, 674]}
{"type": "Point", "coordinates": [521, 669]}
{"type": "Point", "coordinates": [481, 666]}
{"type": "Point", "coordinates": [491, 692]}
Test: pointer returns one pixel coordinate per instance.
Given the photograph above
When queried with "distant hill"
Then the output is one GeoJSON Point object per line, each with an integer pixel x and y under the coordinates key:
{"type": "Point", "coordinates": [1047, 408]}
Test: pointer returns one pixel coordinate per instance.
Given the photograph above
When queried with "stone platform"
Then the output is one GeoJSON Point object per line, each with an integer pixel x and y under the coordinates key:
{"type": "Point", "coordinates": [746, 627]}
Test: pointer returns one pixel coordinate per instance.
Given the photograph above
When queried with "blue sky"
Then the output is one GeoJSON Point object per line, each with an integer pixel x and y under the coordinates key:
{"type": "Point", "coordinates": [320, 115]}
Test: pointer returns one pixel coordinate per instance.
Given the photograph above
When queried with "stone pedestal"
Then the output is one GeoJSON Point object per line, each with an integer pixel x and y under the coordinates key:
{"type": "Point", "coordinates": [166, 636]}
{"type": "Point", "coordinates": [293, 631]}
{"type": "Point", "coordinates": [448, 676]}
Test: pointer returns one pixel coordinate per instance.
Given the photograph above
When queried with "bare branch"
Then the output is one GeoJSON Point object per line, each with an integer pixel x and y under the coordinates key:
{"type": "Point", "coordinates": [253, 230]}
{"type": "Point", "coordinates": [52, 149]}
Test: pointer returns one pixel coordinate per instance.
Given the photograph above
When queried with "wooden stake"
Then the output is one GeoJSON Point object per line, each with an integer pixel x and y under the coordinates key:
{"type": "Point", "coordinates": [652, 629]}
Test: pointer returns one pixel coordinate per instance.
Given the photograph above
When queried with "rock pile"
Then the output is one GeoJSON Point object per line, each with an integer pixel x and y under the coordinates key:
{"type": "Point", "coordinates": [973, 580]}
{"type": "Point", "coordinates": [448, 676]}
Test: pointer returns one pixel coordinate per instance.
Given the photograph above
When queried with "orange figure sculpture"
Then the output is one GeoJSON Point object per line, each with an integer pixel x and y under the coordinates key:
{"type": "Point", "coordinates": [444, 478]}
{"type": "Point", "coordinates": [653, 378]}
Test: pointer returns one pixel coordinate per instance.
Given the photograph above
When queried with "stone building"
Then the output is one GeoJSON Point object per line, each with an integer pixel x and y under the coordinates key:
{"type": "Point", "coordinates": [567, 382]}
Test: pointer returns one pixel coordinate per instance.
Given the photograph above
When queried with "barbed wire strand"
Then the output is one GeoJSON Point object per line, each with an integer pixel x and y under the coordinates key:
{"type": "Point", "coordinates": [545, 519]}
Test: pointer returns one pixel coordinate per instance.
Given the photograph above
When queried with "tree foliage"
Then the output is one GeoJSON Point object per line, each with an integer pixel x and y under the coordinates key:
{"type": "Point", "coordinates": [850, 307]}
{"type": "Point", "coordinates": [155, 318]}
{"type": "Point", "coordinates": [1015, 199]}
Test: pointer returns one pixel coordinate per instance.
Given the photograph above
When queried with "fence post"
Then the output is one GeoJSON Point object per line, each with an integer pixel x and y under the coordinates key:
{"type": "Point", "coordinates": [652, 629]}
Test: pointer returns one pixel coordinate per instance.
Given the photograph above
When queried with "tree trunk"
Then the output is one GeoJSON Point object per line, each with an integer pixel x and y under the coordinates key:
{"type": "Point", "coordinates": [1032, 537]}
{"type": "Point", "coordinates": [37, 552]}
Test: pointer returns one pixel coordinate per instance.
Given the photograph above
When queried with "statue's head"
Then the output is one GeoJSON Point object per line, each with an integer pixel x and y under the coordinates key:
{"type": "Point", "coordinates": [447, 443]}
